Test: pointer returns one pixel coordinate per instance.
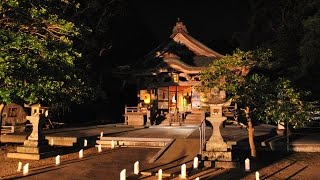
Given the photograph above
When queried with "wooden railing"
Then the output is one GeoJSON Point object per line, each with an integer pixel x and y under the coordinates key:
{"type": "Point", "coordinates": [133, 110]}
{"type": "Point", "coordinates": [7, 129]}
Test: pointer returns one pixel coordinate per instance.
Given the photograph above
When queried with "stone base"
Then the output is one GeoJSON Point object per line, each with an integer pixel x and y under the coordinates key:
{"type": "Point", "coordinates": [33, 150]}
{"type": "Point", "coordinates": [217, 155]}
{"type": "Point", "coordinates": [183, 177]}
{"type": "Point", "coordinates": [35, 143]}
{"type": "Point", "coordinates": [221, 164]}
{"type": "Point", "coordinates": [30, 156]}
{"type": "Point", "coordinates": [208, 164]}
{"type": "Point", "coordinates": [176, 123]}
{"type": "Point", "coordinates": [226, 164]}
{"type": "Point", "coordinates": [33, 153]}
{"type": "Point", "coordinates": [135, 119]}
{"type": "Point", "coordinates": [148, 124]}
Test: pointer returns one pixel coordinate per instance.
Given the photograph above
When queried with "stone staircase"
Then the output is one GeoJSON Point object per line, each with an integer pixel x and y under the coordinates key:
{"type": "Point", "coordinates": [193, 118]}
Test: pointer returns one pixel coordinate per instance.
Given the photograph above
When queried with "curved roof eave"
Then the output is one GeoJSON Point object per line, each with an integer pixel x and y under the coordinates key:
{"type": "Point", "coordinates": [194, 45]}
{"type": "Point", "coordinates": [183, 67]}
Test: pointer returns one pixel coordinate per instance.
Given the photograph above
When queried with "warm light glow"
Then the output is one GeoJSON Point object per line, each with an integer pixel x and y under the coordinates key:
{"type": "Point", "coordinates": [173, 99]}
{"type": "Point", "coordinates": [146, 99]}
{"type": "Point", "coordinates": [145, 96]}
{"type": "Point", "coordinates": [142, 94]}
{"type": "Point", "coordinates": [175, 77]}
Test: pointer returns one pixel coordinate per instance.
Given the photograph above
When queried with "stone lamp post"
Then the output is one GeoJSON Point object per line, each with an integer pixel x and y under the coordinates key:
{"type": "Point", "coordinates": [36, 146]}
{"type": "Point", "coordinates": [217, 152]}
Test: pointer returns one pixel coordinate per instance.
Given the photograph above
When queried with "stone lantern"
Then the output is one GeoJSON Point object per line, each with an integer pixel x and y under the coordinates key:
{"type": "Point", "coordinates": [216, 149]}
{"type": "Point", "coordinates": [36, 146]}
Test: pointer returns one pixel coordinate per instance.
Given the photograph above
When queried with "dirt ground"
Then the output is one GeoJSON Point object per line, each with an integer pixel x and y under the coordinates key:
{"type": "Point", "coordinates": [9, 166]}
{"type": "Point", "coordinates": [274, 165]}
{"type": "Point", "coordinates": [270, 165]}
{"type": "Point", "coordinates": [281, 165]}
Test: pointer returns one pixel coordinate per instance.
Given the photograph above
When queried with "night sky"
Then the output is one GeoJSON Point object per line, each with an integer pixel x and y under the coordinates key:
{"type": "Point", "coordinates": [145, 24]}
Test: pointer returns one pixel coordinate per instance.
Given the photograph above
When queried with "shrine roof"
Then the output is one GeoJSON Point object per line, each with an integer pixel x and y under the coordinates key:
{"type": "Point", "coordinates": [202, 55]}
{"type": "Point", "coordinates": [181, 35]}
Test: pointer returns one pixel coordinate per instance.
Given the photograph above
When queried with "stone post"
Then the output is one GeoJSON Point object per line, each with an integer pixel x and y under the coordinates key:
{"type": "Point", "coordinates": [216, 142]}
{"type": "Point", "coordinates": [281, 128]}
{"type": "Point", "coordinates": [36, 137]}
{"type": "Point", "coordinates": [148, 123]}
{"type": "Point", "coordinates": [36, 140]}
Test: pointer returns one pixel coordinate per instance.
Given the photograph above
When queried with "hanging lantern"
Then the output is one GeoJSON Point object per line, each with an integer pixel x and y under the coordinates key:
{"type": "Point", "coordinates": [146, 99]}
{"type": "Point", "coordinates": [175, 77]}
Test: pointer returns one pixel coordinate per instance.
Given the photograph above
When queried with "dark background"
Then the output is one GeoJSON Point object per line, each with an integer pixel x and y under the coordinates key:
{"type": "Point", "coordinates": [147, 23]}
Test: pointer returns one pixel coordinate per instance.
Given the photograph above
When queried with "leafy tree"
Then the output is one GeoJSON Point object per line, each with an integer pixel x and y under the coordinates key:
{"type": "Point", "coordinates": [44, 50]}
{"type": "Point", "coordinates": [55, 34]}
{"type": "Point", "coordinates": [257, 96]}
{"type": "Point", "coordinates": [37, 55]}
{"type": "Point", "coordinates": [287, 105]}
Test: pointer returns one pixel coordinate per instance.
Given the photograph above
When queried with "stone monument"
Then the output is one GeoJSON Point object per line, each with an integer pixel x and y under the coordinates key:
{"type": "Point", "coordinates": [36, 146]}
{"type": "Point", "coordinates": [217, 152]}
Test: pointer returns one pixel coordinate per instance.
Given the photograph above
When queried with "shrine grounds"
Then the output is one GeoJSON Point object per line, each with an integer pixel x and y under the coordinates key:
{"type": "Point", "coordinates": [108, 163]}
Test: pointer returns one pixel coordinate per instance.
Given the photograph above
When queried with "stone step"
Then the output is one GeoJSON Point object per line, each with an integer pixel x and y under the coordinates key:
{"type": "Point", "coordinates": [196, 111]}
{"type": "Point", "coordinates": [193, 115]}
{"type": "Point", "coordinates": [31, 156]}
{"type": "Point", "coordinates": [14, 138]}
{"type": "Point", "coordinates": [192, 120]}
{"type": "Point", "coordinates": [62, 141]}
{"type": "Point", "coordinates": [109, 138]}
{"type": "Point", "coordinates": [133, 142]}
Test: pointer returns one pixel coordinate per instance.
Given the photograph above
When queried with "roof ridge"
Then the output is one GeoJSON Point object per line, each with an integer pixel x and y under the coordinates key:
{"type": "Point", "coordinates": [197, 43]}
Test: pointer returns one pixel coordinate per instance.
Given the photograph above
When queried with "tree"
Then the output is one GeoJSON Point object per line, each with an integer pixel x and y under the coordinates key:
{"type": "Point", "coordinates": [256, 94]}
{"type": "Point", "coordinates": [48, 47]}
{"type": "Point", "coordinates": [288, 105]}
{"type": "Point", "coordinates": [39, 61]}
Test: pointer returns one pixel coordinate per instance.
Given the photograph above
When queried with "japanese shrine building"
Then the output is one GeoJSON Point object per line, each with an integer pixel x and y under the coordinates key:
{"type": "Point", "coordinates": [171, 72]}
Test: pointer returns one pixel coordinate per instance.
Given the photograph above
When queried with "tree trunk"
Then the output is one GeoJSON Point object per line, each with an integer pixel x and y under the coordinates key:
{"type": "Point", "coordinates": [250, 133]}
{"type": "Point", "coordinates": [251, 140]}
{"type": "Point", "coordinates": [1, 109]}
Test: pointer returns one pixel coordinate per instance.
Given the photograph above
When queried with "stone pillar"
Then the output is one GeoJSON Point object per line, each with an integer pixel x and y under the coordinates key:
{"type": "Point", "coordinates": [281, 128]}
{"type": "Point", "coordinates": [217, 150]}
{"type": "Point", "coordinates": [148, 123]}
{"type": "Point", "coordinates": [36, 137]}
{"type": "Point", "coordinates": [216, 142]}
